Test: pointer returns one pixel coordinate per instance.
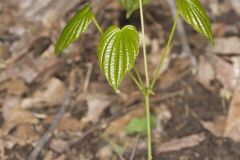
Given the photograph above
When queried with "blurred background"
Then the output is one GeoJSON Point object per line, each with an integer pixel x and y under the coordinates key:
{"type": "Point", "coordinates": [61, 108]}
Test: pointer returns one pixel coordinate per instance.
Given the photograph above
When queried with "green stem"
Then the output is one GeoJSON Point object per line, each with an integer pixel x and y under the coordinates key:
{"type": "Point", "coordinates": [139, 85]}
{"type": "Point", "coordinates": [144, 44]}
{"type": "Point", "coordinates": [97, 25]}
{"type": "Point", "coordinates": [147, 92]}
{"type": "Point", "coordinates": [164, 53]}
{"type": "Point", "coordinates": [138, 76]}
{"type": "Point", "coordinates": [147, 101]}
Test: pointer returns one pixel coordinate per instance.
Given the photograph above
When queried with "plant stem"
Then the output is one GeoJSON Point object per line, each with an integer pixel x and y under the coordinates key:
{"type": "Point", "coordinates": [147, 92]}
{"type": "Point", "coordinates": [139, 85]}
{"type": "Point", "coordinates": [138, 76]}
{"type": "Point", "coordinates": [97, 25]}
{"type": "Point", "coordinates": [147, 101]}
{"type": "Point", "coordinates": [144, 43]}
{"type": "Point", "coordinates": [165, 52]}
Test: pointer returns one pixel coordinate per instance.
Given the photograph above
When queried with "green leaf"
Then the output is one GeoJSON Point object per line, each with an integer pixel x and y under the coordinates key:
{"type": "Point", "coordinates": [132, 5]}
{"type": "Point", "coordinates": [194, 14]}
{"type": "Point", "coordinates": [77, 25]}
{"type": "Point", "coordinates": [117, 51]}
{"type": "Point", "coordinates": [140, 125]}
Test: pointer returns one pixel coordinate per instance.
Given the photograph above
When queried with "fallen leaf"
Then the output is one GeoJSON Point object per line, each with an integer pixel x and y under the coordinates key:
{"type": "Point", "coordinates": [50, 94]}
{"type": "Point", "coordinates": [216, 127]}
{"type": "Point", "coordinates": [67, 123]}
{"type": "Point", "coordinates": [58, 145]}
{"type": "Point", "coordinates": [227, 46]}
{"type": "Point", "coordinates": [24, 134]}
{"type": "Point", "coordinates": [14, 87]}
{"type": "Point", "coordinates": [232, 129]}
{"type": "Point", "coordinates": [224, 72]}
{"type": "Point", "coordinates": [29, 69]}
{"type": "Point", "coordinates": [182, 143]}
{"type": "Point", "coordinates": [205, 72]}
{"type": "Point", "coordinates": [97, 103]}
{"type": "Point", "coordinates": [14, 115]}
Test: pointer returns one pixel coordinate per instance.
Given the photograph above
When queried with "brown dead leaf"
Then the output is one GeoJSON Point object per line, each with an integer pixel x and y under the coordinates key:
{"type": "Point", "coordinates": [50, 94]}
{"type": "Point", "coordinates": [205, 72]}
{"type": "Point", "coordinates": [67, 123]}
{"type": "Point", "coordinates": [216, 127]}
{"type": "Point", "coordinates": [14, 115]}
{"type": "Point", "coordinates": [182, 143]}
{"type": "Point", "coordinates": [58, 145]}
{"type": "Point", "coordinates": [14, 87]}
{"type": "Point", "coordinates": [23, 135]}
{"type": "Point", "coordinates": [225, 73]}
{"type": "Point", "coordinates": [29, 69]}
{"type": "Point", "coordinates": [26, 133]}
{"type": "Point", "coordinates": [232, 129]}
{"type": "Point", "coordinates": [227, 46]}
{"type": "Point", "coordinates": [214, 67]}
{"type": "Point", "coordinates": [97, 103]}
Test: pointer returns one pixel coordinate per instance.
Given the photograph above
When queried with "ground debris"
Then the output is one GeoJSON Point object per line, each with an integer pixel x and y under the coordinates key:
{"type": "Point", "coordinates": [51, 94]}
{"type": "Point", "coordinates": [194, 118]}
{"type": "Point", "coordinates": [97, 103]}
{"type": "Point", "coordinates": [232, 129]}
{"type": "Point", "coordinates": [182, 143]}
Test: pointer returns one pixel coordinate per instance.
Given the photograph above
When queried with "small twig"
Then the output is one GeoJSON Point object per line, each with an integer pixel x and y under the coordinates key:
{"type": "Point", "coordinates": [42, 141]}
{"type": "Point", "coordinates": [135, 148]}
{"type": "Point", "coordinates": [182, 35]}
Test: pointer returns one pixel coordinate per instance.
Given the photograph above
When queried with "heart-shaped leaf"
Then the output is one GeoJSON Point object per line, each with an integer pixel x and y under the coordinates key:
{"type": "Point", "coordinates": [78, 24]}
{"type": "Point", "coordinates": [117, 51]}
{"type": "Point", "coordinates": [194, 14]}
{"type": "Point", "coordinates": [132, 5]}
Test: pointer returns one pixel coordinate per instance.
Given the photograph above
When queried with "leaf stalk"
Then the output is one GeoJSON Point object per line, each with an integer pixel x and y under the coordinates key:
{"type": "Point", "coordinates": [97, 25]}
{"type": "Point", "coordinates": [165, 53]}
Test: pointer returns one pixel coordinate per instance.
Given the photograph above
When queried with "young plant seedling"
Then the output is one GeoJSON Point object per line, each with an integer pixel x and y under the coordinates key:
{"type": "Point", "coordinates": [119, 47]}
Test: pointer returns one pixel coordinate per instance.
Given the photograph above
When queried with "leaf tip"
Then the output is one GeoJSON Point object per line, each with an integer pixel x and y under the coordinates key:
{"type": "Point", "coordinates": [212, 42]}
{"type": "Point", "coordinates": [116, 90]}
{"type": "Point", "coordinates": [128, 15]}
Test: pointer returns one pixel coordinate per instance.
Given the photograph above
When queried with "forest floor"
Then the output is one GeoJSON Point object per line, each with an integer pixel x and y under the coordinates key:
{"type": "Point", "coordinates": [61, 108]}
